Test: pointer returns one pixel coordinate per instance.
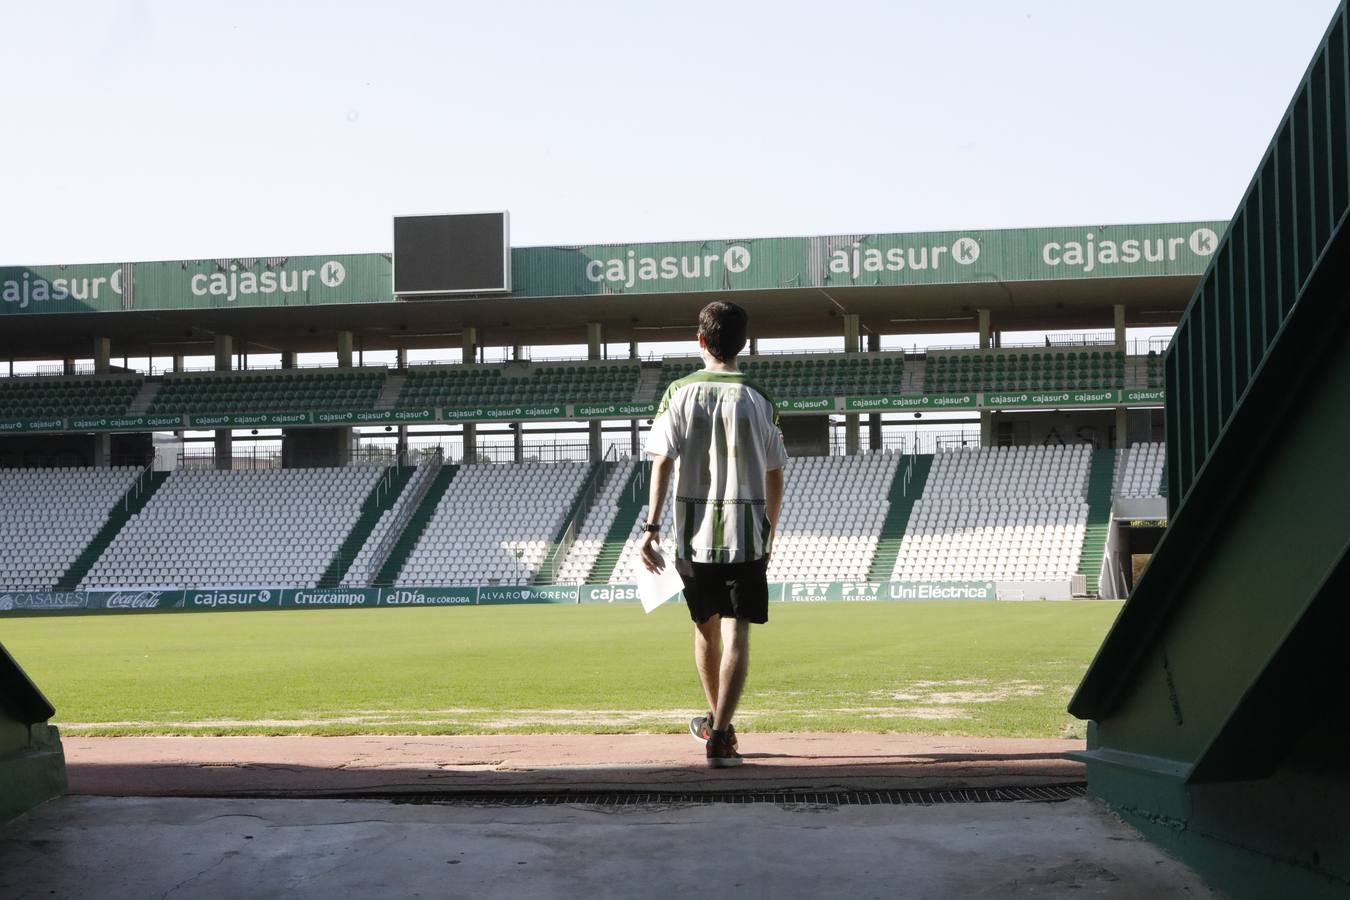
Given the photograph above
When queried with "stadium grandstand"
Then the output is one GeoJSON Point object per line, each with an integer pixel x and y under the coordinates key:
{"type": "Point", "coordinates": [304, 424]}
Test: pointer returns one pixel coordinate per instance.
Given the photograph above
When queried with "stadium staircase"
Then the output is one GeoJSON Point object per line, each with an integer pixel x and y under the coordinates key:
{"type": "Point", "coordinates": [576, 514]}
{"type": "Point", "coordinates": [141, 404]}
{"type": "Point", "coordinates": [393, 386]}
{"type": "Point", "coordinates": [132, 502]}
{"type": "Point", "coordinates": [1100, 477]}
{"type": "Point", "coordinates": [416, 525]}
{"type": "Point", "coordinates": [631, 500]}
{"type": "Point", "coordinates": [650, 384]}
{"type": "Point", "coordinates": [901, 500]}
{"type": "Point", "coordinates": [383, 496]}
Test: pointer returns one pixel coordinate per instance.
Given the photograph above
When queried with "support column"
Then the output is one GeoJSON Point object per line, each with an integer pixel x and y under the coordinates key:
{"type": "Point", "coordinates": [224, 443]}
{"type": "Point", "coordinates": [68, 366]}
{"type": "Point", "coordinates": [1122, 414]}
{"type": "Point", "coordinates": [102, 355]}
{"type": "Point", "coordinates": [517, 429]}
{"type": "Point", "coordinates": [634, 435]}
{"type": "Point", "coordinates": [754, 346]}
{"type": "Point", "coordinates": [344, 349]}
{"type": "Point", "coordinates": [852, 334]}
{"type": "Point", "coordinates": [469, 430]}
{"type": "Point", "coordinates": [595, 345]}
{"type": "Point", "coordinates": [401, 361]}
{"type": "Point", "coordinates": [874, 420]}
{"type": "Point", "coordinates": [986, 417]}
{"type": "Point", "coordinates": [288, 359]}
{"type": "Point", "coordinates": [102, 364]}
{"type": "Point", "coordinates": [469, 344]}
{"type": "Point", "coordinates": [177, 363]}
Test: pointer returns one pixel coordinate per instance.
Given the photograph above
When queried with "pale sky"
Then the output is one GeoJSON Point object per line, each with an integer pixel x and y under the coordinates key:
{"type": "Point", "coordinates": [168, 130]}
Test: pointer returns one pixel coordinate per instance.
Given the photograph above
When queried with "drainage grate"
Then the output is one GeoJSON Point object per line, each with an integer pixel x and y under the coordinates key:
{"type": "Point", "coordinates": [1050, 793]}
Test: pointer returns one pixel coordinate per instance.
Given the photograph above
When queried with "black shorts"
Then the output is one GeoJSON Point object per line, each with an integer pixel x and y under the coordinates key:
{"type": "Point", "coordinates": [733, 590]}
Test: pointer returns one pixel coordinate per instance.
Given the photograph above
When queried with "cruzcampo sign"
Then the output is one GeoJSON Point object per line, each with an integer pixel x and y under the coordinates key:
{"type": "Point", "coordinates": [760, 264]}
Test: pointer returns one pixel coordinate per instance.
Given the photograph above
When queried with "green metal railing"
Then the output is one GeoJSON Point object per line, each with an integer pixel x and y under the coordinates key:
{"type": "Point", "coordinates": [581, 507]}
{"type": "Point", "coordinates": [1281, 229]}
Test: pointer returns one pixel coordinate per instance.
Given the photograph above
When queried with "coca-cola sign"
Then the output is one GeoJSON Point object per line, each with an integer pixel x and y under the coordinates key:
{"type": "Point", "coordinates": [133, 600]}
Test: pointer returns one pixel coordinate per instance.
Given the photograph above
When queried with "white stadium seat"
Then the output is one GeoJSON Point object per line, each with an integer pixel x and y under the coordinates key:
{"type": "Point", "coordinates": [50, 516]}
{"type": "Point", "coordinates": [1141, 471]}
{"type": "Point", "coordinates": [206, 528]}
{"type": "Point", "coordinates": [362, 570]}
{"type": "Point", "coordinates": [1005, 513]}
{"type": "Point", "coordinates": [591, 536]}
{"type": "Point", "coordinates": [494, 524]}
{"type": "Point", "coordinates": [833, 510]}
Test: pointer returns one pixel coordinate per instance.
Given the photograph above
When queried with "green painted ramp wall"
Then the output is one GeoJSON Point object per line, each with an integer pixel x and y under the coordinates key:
{"type": "Point", "coordinates": [32, 764]}
{"type": "Point", "coordinates": [1218, 700]}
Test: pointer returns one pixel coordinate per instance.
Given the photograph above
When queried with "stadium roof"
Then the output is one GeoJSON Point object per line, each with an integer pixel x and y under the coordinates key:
{"type": "Point", "coordinates": [921, 283]}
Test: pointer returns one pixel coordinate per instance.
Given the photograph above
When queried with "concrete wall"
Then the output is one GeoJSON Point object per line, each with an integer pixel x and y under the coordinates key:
{"type": "Point", "coordinates": [806, 435]}
{"type": "Point", "coordinates": [304, 447]}
{"type": "Point", "coordinates": [48, 450]}
{"type": "Point", "coordinates": [1040, 428]}
{"type": "Point", "coordinates": [32, 764]}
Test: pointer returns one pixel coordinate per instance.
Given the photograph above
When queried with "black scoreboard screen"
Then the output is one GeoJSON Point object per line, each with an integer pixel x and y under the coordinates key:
{"type": "Point", "coordinates": [468, 253]}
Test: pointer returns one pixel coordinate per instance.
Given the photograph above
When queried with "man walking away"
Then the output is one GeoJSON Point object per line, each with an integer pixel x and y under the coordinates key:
{"type": "Point", "coordinates": [723, 431]}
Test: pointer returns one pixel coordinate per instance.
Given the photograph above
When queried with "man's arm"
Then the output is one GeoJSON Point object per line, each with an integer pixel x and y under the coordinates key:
{"type": "Point", "coordinates": [662, 466]}
{"type": "Point", "coordinates": [773, 501]}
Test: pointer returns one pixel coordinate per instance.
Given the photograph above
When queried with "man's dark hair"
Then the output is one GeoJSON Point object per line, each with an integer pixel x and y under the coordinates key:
{"type": "Point", "coordinates": [722, 325]}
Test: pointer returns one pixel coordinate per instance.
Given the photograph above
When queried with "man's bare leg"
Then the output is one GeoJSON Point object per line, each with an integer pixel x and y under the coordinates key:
{"type": "Point", "coordinates": [735, 664]}
{"type": "Point", "coordinates": [708, 658]}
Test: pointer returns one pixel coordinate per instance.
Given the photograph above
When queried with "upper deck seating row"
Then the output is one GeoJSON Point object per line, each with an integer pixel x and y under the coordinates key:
{"type": "Point", "coordinates": [517, 383]}
{"type": "Point", "coordinates": [97, 395]}
{"type": "Point", "coordinates": [1016, 370]}
{"type": "Point", "coordinates": [282, 391]}
{"type": "Point", "coordinates": [822, 375]}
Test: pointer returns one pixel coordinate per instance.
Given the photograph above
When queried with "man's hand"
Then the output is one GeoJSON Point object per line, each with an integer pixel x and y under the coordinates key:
{"type": "Point", "coordinates": [662, 468]}
{"type": "Point", "coordinates": [651, 553]}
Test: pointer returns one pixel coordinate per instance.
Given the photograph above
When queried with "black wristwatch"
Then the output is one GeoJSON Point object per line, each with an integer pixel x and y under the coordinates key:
{"type": "Point", "coordinates": [651, 527]}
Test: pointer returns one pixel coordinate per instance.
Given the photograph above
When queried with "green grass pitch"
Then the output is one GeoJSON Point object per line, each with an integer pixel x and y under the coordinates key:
{"type": "Point", "coordinates": [986, 669]}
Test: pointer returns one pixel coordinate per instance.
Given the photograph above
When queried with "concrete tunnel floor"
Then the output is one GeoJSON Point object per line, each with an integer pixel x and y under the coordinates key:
{"type": "Point", "coordinates": [179, 847]}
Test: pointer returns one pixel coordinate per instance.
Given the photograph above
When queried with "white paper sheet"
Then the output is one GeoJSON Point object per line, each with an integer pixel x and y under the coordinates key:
{"type": "Point", "coordinates": [655, 588]}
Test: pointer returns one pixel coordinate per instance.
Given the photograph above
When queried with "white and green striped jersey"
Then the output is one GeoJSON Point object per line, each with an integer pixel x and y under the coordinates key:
{"type": "Point", "coordinates": [723, 432]}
